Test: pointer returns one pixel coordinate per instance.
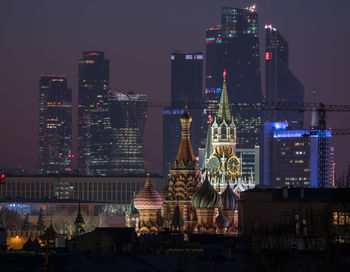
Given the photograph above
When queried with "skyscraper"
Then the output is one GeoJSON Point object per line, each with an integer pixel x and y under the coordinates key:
{"type": "Point", "coordinates": [94, 126]}
{"type": "Point", "coordinates": [186, 87]}
{"type": "Point", "coordinates": [55, 125]}
{"type": "Point", "coordinates": [128, 114]}
{"type": "Point", "coordinates": [186, 77]}
{"type": "Point", "coordinates": [292, 157]}
{"type": "Point", "coordinates": [234, 46]}
{"type": "Point", "coordinates": [280, 83]}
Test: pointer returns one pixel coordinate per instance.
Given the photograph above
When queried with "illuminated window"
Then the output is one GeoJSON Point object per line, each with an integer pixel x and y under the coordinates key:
{"type": "Point", "coordinates": [341, 218]}
{"type": "Point", "coordinates": [268, 55]}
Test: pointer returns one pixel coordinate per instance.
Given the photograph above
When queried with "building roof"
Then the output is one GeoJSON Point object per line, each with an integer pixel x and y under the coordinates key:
{"type": "Point", "coordinates": [320, 195]}
{"type": "Point", "coordinates": [229, 199]}
{"type": "Point", "coordinates": [122, 234]}
{"type": "Point", "coordinates": [148, 198]}
{"type": "Point", "coordinates": [206, 197]}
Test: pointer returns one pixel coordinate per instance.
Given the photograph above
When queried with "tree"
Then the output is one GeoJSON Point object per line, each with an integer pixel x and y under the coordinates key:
{"type": "Point", "coordinates": [26, 224]}
{"type": "Point", "coordinates": [40, 225]}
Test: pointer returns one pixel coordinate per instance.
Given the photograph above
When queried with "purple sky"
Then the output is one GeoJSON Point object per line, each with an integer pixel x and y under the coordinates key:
{"type": "Point", "coordinates": [138, 37]}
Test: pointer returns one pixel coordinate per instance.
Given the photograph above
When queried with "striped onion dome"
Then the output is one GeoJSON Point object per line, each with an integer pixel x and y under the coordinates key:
{"type": "Point", "coordinates": [206, 197]}
{"type": "Point", "coordinates": [229, 199]}
{"type": "Point", "coordinates": [148, 198]}
{"type": "Point", "coordinates": [221, 220]}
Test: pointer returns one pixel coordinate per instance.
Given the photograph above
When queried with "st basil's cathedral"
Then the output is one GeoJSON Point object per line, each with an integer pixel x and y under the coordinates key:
{"type": "Point", "coordinates": [194, 200]}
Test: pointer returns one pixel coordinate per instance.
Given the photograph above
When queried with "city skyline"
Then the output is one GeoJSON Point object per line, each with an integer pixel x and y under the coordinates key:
{"type": "Point", "coordinates": [312, 60]}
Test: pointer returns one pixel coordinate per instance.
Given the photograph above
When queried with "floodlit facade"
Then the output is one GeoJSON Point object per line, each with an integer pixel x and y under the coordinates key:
{"type": "Point", "coordinates": [291, 157]}
{"type": "Point", "coordinates": [118, 190]}
{"type": "Point", "coordinates": [55, 125]}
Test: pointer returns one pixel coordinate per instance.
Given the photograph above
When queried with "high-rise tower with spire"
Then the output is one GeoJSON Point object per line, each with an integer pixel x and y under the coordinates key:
{"type": "Point", "coordinates": [220, 158]}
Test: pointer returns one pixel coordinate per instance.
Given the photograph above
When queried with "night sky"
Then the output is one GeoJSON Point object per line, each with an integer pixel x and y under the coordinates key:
{"type": "Point", "coordinates": [138, 37]}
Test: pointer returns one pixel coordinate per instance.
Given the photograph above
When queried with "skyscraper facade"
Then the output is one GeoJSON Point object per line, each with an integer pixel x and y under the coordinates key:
{"type": "Point", "coordinates": [234, 46]}
{"type": "Point", "coordinates": [55, 125]}
{"type": "Point", "coordinates": [186, 88]}
{"type": "Point", "coordinates": [94, 129]}
{"type": "Point", "coordinates": [128, 113]}
{"type": "Point", "coordinates": [281, 85]}
{"type": "Point", "coordinates": [292, 157]}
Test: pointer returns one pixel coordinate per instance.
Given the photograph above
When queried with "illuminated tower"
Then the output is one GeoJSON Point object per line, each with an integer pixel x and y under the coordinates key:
{"type": "Point", "coordinates": [128, 114]}
{"type": "Point", "coordinates": [94, 148]}
{"type": "Point", "coordinates": [184, 177]}
{"type": "Point", "coordinates": [55, 125]}
{"type": "Point", "coordinates": [221, 159]}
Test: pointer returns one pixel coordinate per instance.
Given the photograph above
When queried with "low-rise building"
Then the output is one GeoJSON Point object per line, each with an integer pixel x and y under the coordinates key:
{"type": "Point", "coordinates": [320, 213]}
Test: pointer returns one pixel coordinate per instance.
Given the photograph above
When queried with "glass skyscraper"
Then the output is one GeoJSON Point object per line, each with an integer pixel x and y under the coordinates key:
{"type": "Point", "coordinates": [186, 88]}
{"type": "Point", "coordinates": [128, 114]}
{"type": "Point", "coordinates": [234, 46]}
{"type": "Point", "coordinates": [280, 83]}
{"type": "Point", "coordinates": [94, 128]}
{"type": "Point", "coordinates": [55, 125]}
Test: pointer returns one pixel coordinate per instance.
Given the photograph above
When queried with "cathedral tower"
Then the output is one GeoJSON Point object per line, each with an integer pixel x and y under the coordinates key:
{"type": "Point", "coordinates": [184, 177]}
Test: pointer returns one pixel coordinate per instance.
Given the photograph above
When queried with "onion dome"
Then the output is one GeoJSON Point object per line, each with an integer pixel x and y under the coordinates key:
{"type": "Point", "coordinates": [131, 209]}
{"type": "Point", "coordinates": [229, 199]}
{"type": "Point", "coordinates": [148, 198]}
{"type": "Point", "coordinates": [206, 197]}
{"type": "Point", "coordinates": [221, 220]}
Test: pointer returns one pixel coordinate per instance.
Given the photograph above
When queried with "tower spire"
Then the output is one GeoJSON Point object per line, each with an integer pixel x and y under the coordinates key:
{"type": "Point", "coordinates": [185, 155]}
{"type": "Point", "coordinates": [224, 108]}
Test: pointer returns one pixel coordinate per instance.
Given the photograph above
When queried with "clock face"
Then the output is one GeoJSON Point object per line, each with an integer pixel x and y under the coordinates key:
{"type": "Point", "coordinates": [233, 165]}
{"type": "Point", "coordinates": [214, 164]}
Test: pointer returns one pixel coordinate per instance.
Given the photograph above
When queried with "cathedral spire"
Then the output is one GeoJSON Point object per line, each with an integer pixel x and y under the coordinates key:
{"type": "Point", "coordinates": [224, 108]}
{"type": "Point", "coordinates": [185, 156]}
